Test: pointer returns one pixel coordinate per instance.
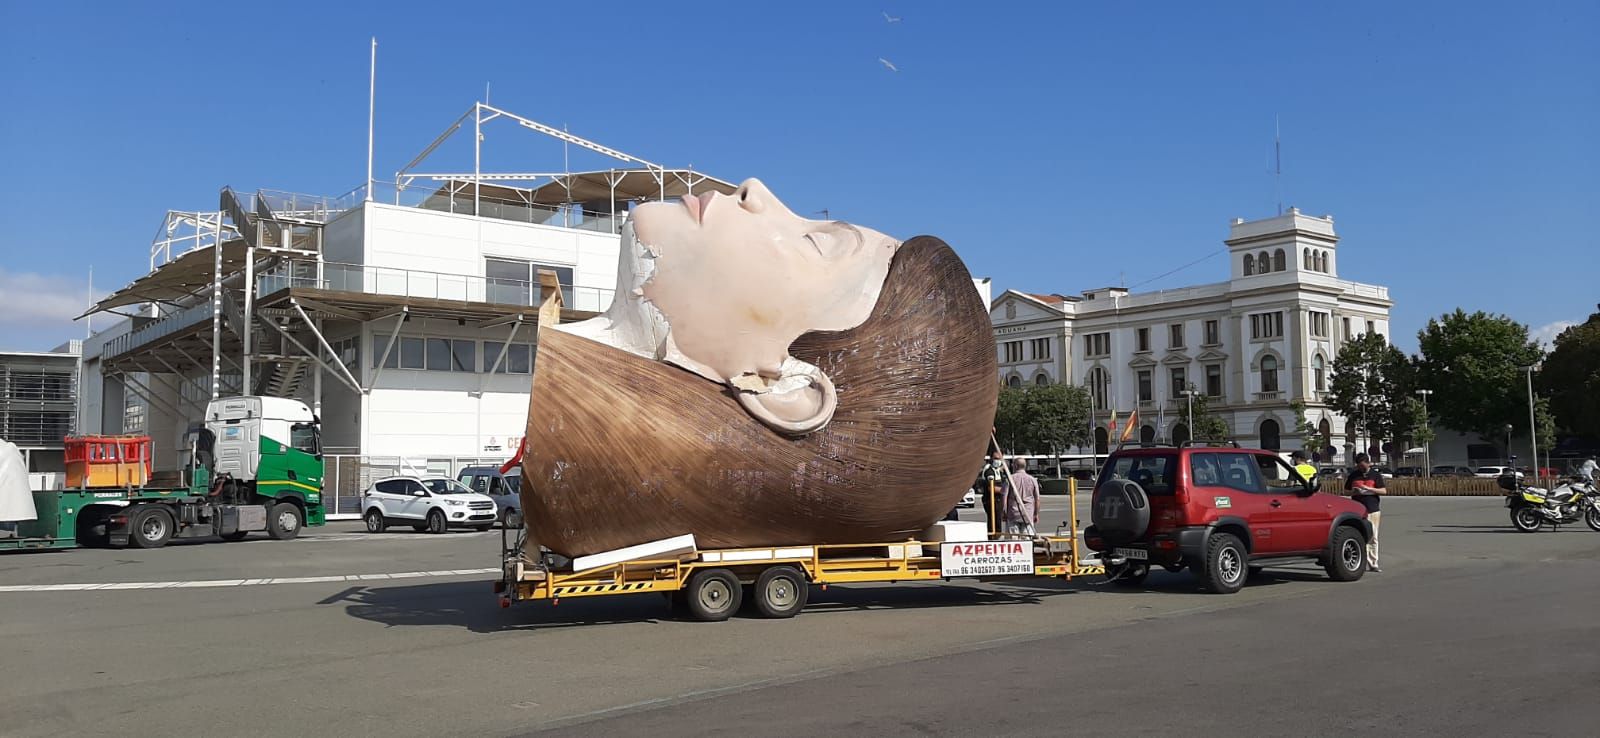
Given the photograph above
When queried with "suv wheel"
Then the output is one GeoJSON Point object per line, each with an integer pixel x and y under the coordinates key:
{"type": "Point", "coordinates": [1347, 557]}
{"type": "Point", "coordinates": [436, 522]}
{"type": "Point", "coordinates": [1226, 565]}
{"type": "Point", "coordinates": [375, 521]}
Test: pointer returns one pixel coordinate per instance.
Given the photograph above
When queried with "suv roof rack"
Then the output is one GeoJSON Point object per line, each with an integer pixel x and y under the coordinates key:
{"type": "Point", "coordinates": [1145, 444]}
{"type": "Point", "coordinates": [1210, 443]}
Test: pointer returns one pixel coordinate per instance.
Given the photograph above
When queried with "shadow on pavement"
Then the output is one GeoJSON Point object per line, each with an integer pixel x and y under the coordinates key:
{"type": "Point", "coordinates": [471, 605]}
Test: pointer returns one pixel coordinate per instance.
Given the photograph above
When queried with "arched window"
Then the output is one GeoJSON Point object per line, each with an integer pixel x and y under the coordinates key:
{"type": "Point", "coordinates": [1041, 380]}
{"type": "Point", "coordinates": [1325, 430]}
{"type": "Point", "coordinates": [1249, 265]}
{"type": "Point", "coordinates": [1102, 441]}
{"type": "Point", "coordinates": [1269, 435]}
{"type": "Point", "coordinates": [1319, 372]}
{"type": "Point", "coordinates": [1100, 387]}
{"type": "Point", "coordinates": [1147, 434]}
{"type": "Point", "coordinates": [1180, 434]}
{"type": "Point", "coordinates": [1014, 381]}
{"type": "Point", "coordinates": [1322, 261]}
{"type": "Point", "coordinates": [1278, 262]}
{"type": "Point", "coordinates": [1305, 260]}
{"type": "Point", "coordinates": [1263, 262]}
{"type": "Point", "coordinates": [1269, 373]}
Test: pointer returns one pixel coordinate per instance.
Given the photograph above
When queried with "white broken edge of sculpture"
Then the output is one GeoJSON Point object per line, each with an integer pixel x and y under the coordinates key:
{"type": "Point", "coordinates": [721, 285]}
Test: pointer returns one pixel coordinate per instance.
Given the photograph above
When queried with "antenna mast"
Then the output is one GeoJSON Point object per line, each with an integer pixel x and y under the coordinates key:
{"type": "Point", "coordinates": [1277, 163]}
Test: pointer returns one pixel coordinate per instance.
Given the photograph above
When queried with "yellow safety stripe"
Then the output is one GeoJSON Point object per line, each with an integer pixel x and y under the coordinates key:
{"type": "Point", "coordinates": [290, 483]}
{"type": "Point", "coordinates": [603, 588]}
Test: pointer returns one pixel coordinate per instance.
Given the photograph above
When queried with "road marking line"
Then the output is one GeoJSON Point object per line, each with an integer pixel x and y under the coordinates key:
{"type": "Point", "coordinates": [241, 582]}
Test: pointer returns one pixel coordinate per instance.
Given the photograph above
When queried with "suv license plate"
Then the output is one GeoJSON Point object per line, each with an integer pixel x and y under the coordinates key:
{"type": "Point", "coordinates": [1132, 553]}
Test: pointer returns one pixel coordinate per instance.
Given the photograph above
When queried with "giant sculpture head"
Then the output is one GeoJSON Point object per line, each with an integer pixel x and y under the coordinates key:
{"type": "Point", "coordinates": [721, 285]}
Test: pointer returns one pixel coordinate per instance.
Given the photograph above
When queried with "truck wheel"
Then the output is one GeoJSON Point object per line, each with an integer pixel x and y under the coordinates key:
{"type": "Point", "coordinates": [237, 535]}
{"type": "Point", "coordinates": [1347, 557]}
{"type": "Point", "coordinates": [375, 521]}
{"type": "Point", "coordinates": [1226, 564]}
{"type": "Point", "coordinates": [712, 595]}
{"type": "Point", "coordinates": [284, 521]}
{"type": "Point", "coordinates": [437, 523]}
{"type": "Point", "coordinates": [92, 528]}
{"type": "Point", "coordinates": [152, 528]}
{"type": "Point", "coordinates": [780, 592]}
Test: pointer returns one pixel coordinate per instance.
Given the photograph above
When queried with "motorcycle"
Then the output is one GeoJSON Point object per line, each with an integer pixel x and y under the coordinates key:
{"type": "Point", "coordinates": [1533, 507]}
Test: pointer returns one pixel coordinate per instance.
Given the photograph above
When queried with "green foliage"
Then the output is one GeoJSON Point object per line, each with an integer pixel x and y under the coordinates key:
{"type": "Point", "coordinates": [1039, 419]}
{"type": "Point", "coordinates": [1369, 385]}
{"type": "Point", "coordinates": [1473, 363]}
{"type": "Point", "coordinates": [1305, 428]}
{"type": "Point", "coordinates": [1413, 422]}
{"type": "Point", "coordinates": [1570, 377]}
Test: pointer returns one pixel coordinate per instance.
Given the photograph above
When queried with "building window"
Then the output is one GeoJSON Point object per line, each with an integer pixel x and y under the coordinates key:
{"type": "Point", "coordinates": [1345, 327]}
{"type": "Point", "coordinates": [411, 353]}
{"type": "Point", "coordinates": [1213, 380]}
{"type": "Point", "coordinates": [1041, 349]}
{"type": "Point", "coordinates": [1144, 385]}
{"type": "Point", "coordinates": [1322, 261]}
{"type": "Point", "coordinates": [1213, 333]}
{"type": "Point", "coordinates": [518, 357]}
{"type": "Point", "coordinates": [515, 282]}
{"type": "Point", "coordinates": [1278, 262]}
{"type": "Point", "coordinates": [1266, 325]}
{"type": "Point", "coordinates": [1319, 372]}
{"type": "Point", "coordinates": [1147, 434]}
{"type": "Point", "coordinates": [1371, 328]}
{"type": "Point", "coordinates": [348, 352]}
{"type": "Point", "coordinates": [1142, 339]}
{"type": "Point", "coordinates": [1175, 336]}
{"type": "Point", "coordinates": [1269, 435]}
{"type": "Point", "coordinates": [1097, 344]}
{"type": "Point", "coordinates": [1319, 325]}
{"type": "Point", "coordinates": [450, 355]}
{"type": "Point", "coordinates": [1249, 265]}
{"type": "Point", "coordinates": [1014, 381]}
{"type": "Point", "coordinates": [1306, 262]}
{"type": "Point", "coordinates": [1269, 373]}
{"type": "Point", "coordinates": [1263, 263]}
{"type": "Point", "coordinates": [1099, 386]}
{"type": "Point", "coordinates": [1180, 381]}
{"type": "Point", "coordinates": [1041, 380]}
{"type": "Point", "coordinates": [1013, 351]}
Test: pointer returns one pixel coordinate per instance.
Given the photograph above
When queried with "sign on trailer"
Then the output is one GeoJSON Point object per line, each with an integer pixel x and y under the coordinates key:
{"type": "Point", "coordinates": [985, 558]}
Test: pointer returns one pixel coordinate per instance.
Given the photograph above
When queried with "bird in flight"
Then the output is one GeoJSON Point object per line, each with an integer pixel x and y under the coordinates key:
{"type": "Point", "coordinates": [890, 18]}
{"type": "Point", "coordinates": [888, 64]}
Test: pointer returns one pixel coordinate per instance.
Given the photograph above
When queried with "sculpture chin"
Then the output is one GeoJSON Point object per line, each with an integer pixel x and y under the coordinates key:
{"type": "Point", "coordinates": [799, 399]}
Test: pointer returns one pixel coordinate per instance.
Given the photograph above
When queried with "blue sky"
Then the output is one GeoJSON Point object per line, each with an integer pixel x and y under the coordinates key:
{"type": "Point", "coordinates": [1057, 146]}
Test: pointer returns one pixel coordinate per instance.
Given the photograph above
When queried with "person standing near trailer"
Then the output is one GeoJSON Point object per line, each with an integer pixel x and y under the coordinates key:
{"type": "Point", "coordinates": [1021, 500]}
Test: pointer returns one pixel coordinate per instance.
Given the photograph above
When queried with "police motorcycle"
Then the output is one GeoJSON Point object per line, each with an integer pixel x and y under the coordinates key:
{"type": "Point", "coordinates": [1534, 507]}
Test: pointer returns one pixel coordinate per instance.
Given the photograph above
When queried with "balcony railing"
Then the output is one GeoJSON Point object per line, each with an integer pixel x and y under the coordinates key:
{"type": "Point", "coordinates": [378, 280]}
{"type": "Point", "coordinates": [427, 196]}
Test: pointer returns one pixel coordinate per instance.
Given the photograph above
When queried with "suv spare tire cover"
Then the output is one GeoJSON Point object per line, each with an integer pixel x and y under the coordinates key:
{"type": "Point", "coordinates": [1120, 511]}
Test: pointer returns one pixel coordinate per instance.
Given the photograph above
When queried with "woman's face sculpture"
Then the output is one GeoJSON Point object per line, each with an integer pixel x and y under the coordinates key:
{"type": "Point", "coordinates": [737, 278]}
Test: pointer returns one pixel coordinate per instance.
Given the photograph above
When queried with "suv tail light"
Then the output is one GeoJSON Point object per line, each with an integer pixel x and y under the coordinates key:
{"type": "Point", "coordinates": [1095, 542]}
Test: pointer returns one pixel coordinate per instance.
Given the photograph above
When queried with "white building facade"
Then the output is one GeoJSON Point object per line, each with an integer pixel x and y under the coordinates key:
{"type": "Point", "coordinates": [1252, 345]}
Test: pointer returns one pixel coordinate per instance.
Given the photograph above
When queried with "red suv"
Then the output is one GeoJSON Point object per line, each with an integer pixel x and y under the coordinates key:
{"type": "Point", "coordinates": [1220, 511]}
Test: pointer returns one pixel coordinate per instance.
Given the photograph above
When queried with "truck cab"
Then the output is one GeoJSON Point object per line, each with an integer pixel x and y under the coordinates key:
{"type": "Point", "coordinates": [267, 450]}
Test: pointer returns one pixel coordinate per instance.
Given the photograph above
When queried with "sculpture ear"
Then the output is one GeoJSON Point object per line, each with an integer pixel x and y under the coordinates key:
{"type": "Point", "coordinates": [796, 405]}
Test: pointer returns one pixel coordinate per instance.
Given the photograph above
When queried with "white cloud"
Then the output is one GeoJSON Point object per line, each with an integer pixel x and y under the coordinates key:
{"type": "Point", "coordinates": [41, 300]}
{"type": "Point", "coordinates": [1546, 334]}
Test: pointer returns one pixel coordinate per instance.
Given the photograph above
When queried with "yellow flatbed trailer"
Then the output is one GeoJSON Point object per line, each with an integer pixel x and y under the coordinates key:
{"type": "Point", "coordinates": [711, 584]}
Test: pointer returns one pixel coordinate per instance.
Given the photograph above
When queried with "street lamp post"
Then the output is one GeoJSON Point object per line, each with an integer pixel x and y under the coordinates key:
{"type": "Point", "coordinates": [1533, 433]}
{"type": "Point", "coordinates": [1188, 395]}
{"type": "Point", "coordinates": [1507, 454]}
{"type": "Point", "coordinates": [1427, 448]}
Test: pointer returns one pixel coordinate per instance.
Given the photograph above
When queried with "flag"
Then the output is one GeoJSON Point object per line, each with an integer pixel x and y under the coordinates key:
{"type": "Point", "coordinates": [1127, 430]}
{"type": "Point", "coordinates": [1113, 425]}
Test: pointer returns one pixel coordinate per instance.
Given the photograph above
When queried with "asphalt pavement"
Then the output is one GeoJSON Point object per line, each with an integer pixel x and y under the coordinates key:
{"type": "Point", "coordinates": [1472, 629]}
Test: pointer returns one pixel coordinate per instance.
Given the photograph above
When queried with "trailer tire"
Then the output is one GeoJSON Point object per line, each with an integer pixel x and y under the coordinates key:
{"type": "Point", "coordinates": [713, 595]}
{"type": "Point", "coordinates": [88, 520]}
{"type": "Point", "coordinates": [780, 592]}
{"type": "Point", "coordinates": [151, 527]}
{"type": "Point", "coordinates": [284, 521]}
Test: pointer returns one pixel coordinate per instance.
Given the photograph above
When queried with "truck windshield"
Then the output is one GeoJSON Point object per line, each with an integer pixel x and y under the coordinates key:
{"type": "Point", "coordinates": [304, 437]}
{"type": "Point", "coordinates": [446, 487]}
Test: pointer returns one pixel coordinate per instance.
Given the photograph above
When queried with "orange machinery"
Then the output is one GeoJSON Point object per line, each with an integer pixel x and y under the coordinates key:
{"type": "Point", "coordinates": [108, 461]}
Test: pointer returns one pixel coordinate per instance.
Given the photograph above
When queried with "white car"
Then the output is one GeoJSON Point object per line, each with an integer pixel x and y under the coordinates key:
{"type": "Point", "coordinates": [433, 504]}
{"type": "Point", "coordinates": [1493, 472]}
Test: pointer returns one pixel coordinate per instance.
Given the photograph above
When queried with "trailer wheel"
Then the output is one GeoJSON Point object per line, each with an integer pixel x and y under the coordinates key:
{"type": "Point", "coordinates": [151, 528]}
{"type": "Point", "coordinates": [780, 592]}
{"type": "Point", "coordinates": [284, 521]}
{"type": "Point", "coordinates": [92, 527]}
{"type": "Point", "coordinates": [712, 595]}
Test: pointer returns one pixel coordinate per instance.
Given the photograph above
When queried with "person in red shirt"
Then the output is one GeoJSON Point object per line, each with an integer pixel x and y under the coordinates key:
{"type": "Point", "coordinates": [1365, 485]}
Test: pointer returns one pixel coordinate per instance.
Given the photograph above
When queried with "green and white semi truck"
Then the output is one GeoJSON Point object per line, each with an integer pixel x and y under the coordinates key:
{"type": "Point", "coordinates": [253, 464]}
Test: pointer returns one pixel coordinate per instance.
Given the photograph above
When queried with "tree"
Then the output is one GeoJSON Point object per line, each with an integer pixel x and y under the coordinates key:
{"type": "Point", "coordinates": [1043, 418]}
{"type": "Point", "coordinates": [1207, 426]}
{"type": "Point", "coordinates": [1473, 363]}
{"type": "Point", "coordinates": [1369, 384]}
{"type": "Point", "coordinates": [1413, 422]}
{"type": "Point", "coordinates": [1570, 377]}
{"type": "Point", "coordinates": [1304, 428]}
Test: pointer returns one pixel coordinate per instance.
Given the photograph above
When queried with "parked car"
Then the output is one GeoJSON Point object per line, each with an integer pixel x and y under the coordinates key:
{"type": "Point", "coordinates": [502, 488]}
{"type": "Point", "coordinates": [1494, 472]}
{"type": "Point", "coordinates": [1447, 470]}
{"type": "Point", "coordinates": [433, 504]}
{"type": "Point", "coordinates": [1408, 471]}
{"type": "Point", "coordinates": [1221, 512]}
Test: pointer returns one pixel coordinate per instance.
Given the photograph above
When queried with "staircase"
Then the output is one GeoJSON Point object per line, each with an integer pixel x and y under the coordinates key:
{"type": "Point", "coordinates": [283, 378]}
